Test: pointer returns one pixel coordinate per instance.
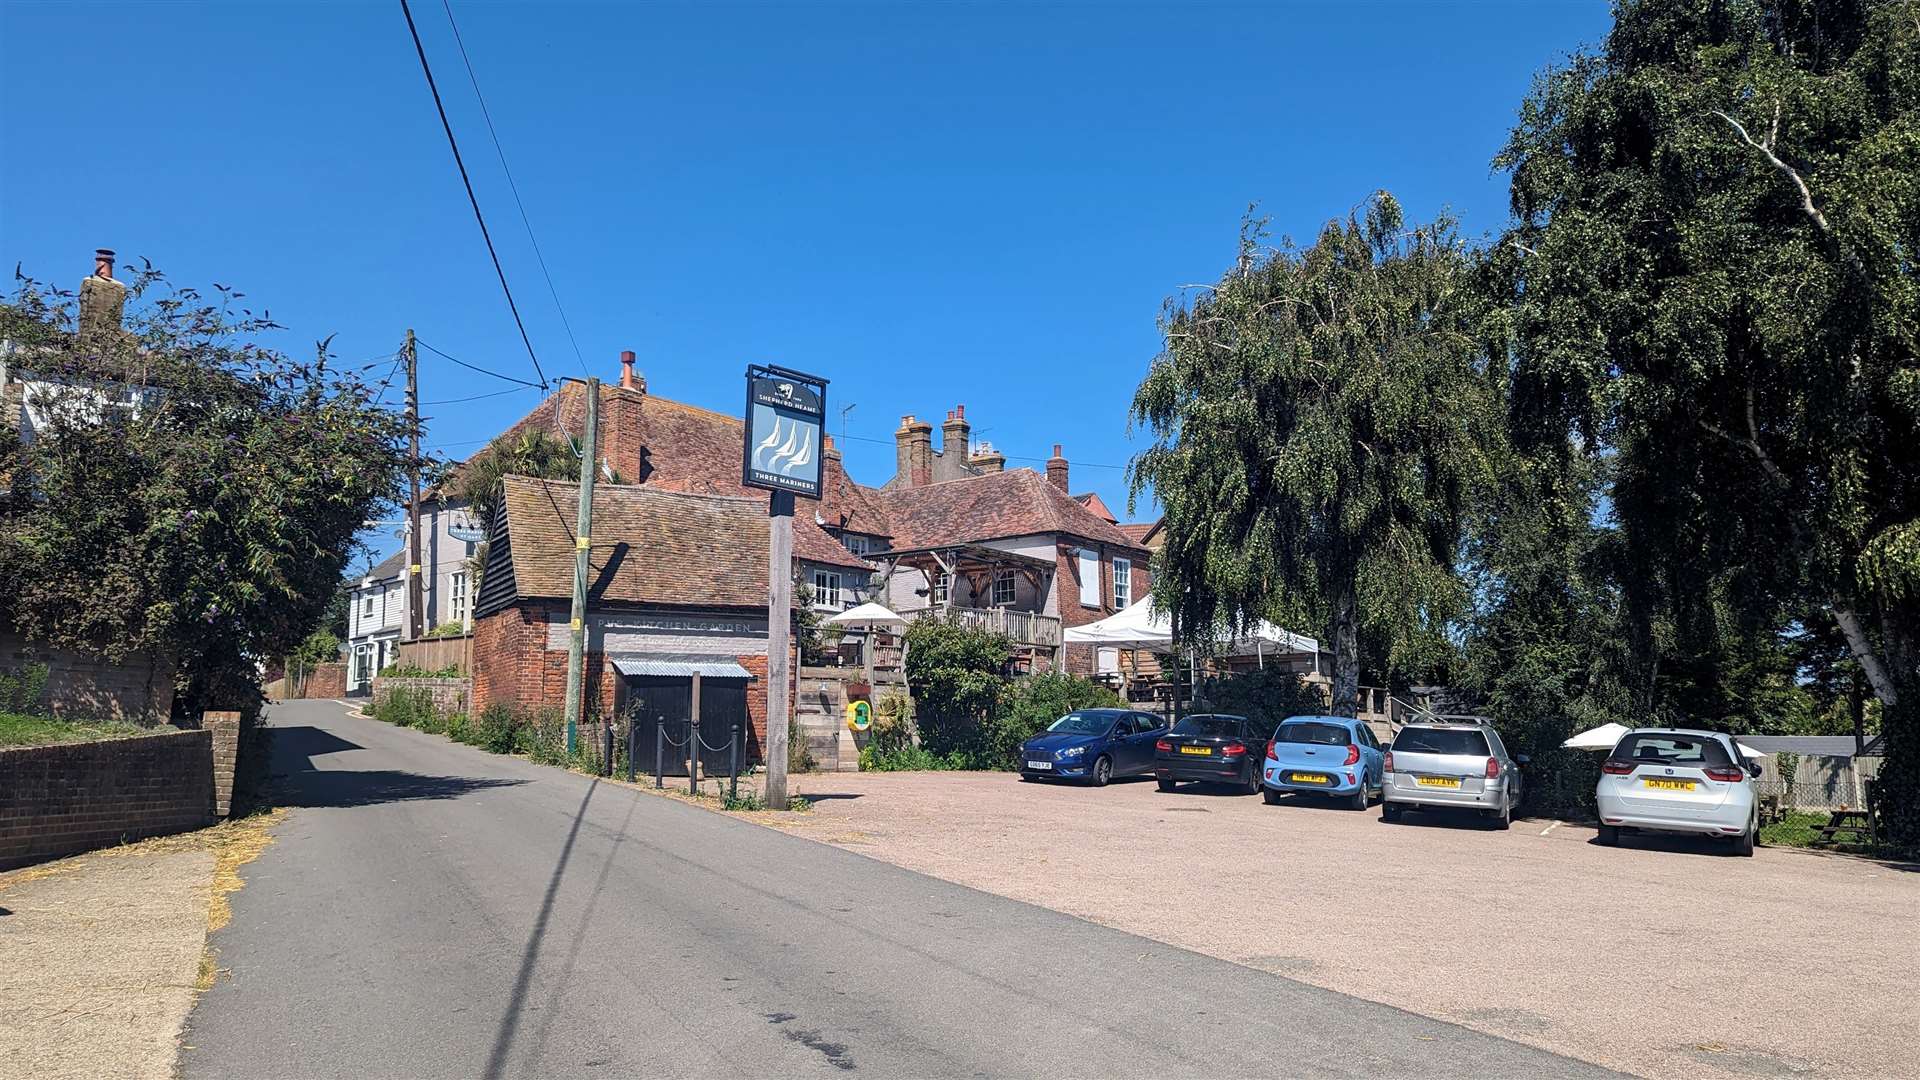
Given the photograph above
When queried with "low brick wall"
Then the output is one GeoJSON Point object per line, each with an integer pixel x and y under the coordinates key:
{"type": "Point", "coordinates": [61, 800]}
{"type": "Point", "coordinates": [449, 695]}
{"type": "Point", "coordinates": [326, 681]}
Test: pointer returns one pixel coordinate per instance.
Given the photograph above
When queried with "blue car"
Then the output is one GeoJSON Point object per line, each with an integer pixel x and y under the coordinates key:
{"type": "Point", "coordinates": [1094, 745]}
{"type": "Point", "coordinates": [1325, 755]}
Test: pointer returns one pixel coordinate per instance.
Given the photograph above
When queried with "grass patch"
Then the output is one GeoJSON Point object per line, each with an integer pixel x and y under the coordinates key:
{"type": "Point", "coordinates": [19, 729]}
{"type": "Point", "coordinates": [1796, 829]}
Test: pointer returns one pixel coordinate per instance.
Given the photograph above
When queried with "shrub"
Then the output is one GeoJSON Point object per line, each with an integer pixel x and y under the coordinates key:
{"type": "Point", "coordinates": [447, 629]}
{"type": "Point", "coordinates": [398, 670]}
{"type": "Point", "coordinates": [874, 758]}
{"type": "Point", "coordinates": [799, 758]}
{"type": "Point", "coordinates": [500, 729]}
{"type": "Point", "coordinates": [24, 691]}
{"type": "Point", "coordinates": [957, 671]}
{"type": "Point", "coordinates": [1265, 696]}
{"type": "Point", "coordinates": [405, 706]}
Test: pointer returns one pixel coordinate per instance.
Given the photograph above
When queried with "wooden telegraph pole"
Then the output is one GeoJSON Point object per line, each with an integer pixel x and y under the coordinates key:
{"type": "Point", "coordinates": [414, 598]}
{"type": "Point", "coordinates": [779, 641]}
{"type": "Point", "coordinates": [582, 545]}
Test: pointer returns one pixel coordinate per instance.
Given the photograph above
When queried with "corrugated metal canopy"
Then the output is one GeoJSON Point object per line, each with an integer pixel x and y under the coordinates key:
{"type": "Point", "coordinates": [706, 669]}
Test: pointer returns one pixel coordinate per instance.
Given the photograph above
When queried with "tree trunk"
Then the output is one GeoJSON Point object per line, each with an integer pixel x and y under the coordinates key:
{"type": "Point", "coordinates": [1346, 654]}
{"type": "Point", "coordinates": [1877, 677]}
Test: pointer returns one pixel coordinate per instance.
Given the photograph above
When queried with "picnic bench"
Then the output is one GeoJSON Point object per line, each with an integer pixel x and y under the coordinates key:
{"type": "Point", "coordinates": [1856, 824]}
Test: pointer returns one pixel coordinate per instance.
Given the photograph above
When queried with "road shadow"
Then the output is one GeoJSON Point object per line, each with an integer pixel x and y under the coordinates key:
{"type": "Point", "coordinates": [1441, 817]}
{"type": "Point", "coordinates": [1211, 790]}
{"type": "Point", "coordinates": [297, 782]}
{"type": "Point", "coordinates": [826, 796]}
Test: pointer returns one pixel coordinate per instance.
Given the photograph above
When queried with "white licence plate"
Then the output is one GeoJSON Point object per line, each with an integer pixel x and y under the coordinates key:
{"type": "Point", "coordinates": [1039, 764]}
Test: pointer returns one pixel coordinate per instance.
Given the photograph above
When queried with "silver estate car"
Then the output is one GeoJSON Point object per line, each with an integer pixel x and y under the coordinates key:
{"type": "Point", "coordinates": [1451, 762]}
{"type": "Point", "coordinates": [1676, 780]}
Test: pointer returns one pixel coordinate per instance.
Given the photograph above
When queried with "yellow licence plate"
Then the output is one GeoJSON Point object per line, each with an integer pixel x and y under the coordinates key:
{"type": "Point", "coordinates": [1668, 785]}
{"type": "Point", "coordinates": [1311, 778]}
{"type": "Point", "coordinates": [1199, 751]}
{"type": "Point", "coordinates": [1439, 781]}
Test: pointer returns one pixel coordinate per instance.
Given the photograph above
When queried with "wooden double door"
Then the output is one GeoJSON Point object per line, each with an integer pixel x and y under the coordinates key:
{"type": "Point", "coordinates": [657, 702]}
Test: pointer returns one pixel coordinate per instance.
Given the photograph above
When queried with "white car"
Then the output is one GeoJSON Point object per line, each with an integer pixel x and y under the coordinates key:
{"type": "Point", "coordinates": [1674, 780]}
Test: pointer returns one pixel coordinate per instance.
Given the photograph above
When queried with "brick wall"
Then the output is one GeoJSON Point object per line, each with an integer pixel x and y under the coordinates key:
{"type": "Point", "coordinates": [512, 664]}
{"type": "Point", "coordinates": [449, 696]}
{"type": "Point", "coordinates": [61, 800]}
{"type": "Point", "coordinates": [1081, 659]}
{"type": "Point", "coordinates": [138, 689]}
{"type": "Point", "coordinates": [326, 681]}
{"type": "Point", "coordinates": [509, 657]}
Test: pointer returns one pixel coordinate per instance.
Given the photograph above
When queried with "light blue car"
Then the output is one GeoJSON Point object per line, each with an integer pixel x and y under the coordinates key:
{"type": "Point", "coordinates": [1323, 755]}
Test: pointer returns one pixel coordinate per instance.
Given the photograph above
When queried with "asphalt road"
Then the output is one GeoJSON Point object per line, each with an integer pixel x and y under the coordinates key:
{"type": "Point", "coordinates": [431, 910]}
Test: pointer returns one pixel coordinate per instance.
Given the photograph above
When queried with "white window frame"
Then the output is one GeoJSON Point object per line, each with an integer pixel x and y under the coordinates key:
{"type": "Point", "coordinates": [940, 587]}
{"type": "Point", "coordinates": [856, 543]}
{"type": "Point", "coordinates": [826, 588]}
{"type": "Point", "coordinates": [457, 598]}
{"type": "Point", "coordinates": [366, 604]}
{"type": "Point", "coordinates": [1007, 579]}
{"type": "Point", "coordinates": [1089, 563]}
{"type": "Point", "coordinates": [1122, 583]}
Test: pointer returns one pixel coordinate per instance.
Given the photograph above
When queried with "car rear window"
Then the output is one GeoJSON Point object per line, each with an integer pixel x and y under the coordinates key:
{"type": "Point", "coordinates": [1692, 750]}
{"type": "Point", "coordinates": [1208, 725]}
{"type": "Point", "coordinates": [1314, 734]}
{"type": "Point", "coordinates": [1417, 740]}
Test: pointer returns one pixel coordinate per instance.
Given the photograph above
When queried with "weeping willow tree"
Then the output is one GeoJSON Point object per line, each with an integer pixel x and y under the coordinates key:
{"type": "Point", "coordinates": [1322, 419]}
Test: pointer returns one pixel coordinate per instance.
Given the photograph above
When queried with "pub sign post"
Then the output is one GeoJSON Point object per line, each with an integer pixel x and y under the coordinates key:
{"type": "Point", "coordinates": [785, 425]}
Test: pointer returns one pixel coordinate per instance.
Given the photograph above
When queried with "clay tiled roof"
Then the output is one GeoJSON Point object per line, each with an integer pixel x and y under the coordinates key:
{"type": "Point", "coordinates": [649, 547]}
{"type": "Point", "coordinates": [1018, 502]}
{"type": "Point", "coordinates": [1138, 532]}
{"type": "Point", "coordinates": [1094, 503]}
{"type": "Point", "coordinates": [696, 450]}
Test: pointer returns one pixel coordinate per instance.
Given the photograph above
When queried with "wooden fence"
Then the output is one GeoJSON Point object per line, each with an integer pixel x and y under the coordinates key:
{"type": "Point", "coordinates": [437, 654]}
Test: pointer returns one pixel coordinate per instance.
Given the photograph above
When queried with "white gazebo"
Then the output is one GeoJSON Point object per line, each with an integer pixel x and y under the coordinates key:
{"type": "Point", "coordinates": [1141, 627]}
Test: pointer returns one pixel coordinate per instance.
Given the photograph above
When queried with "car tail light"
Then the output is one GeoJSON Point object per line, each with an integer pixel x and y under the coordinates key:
{"type": "Point", "coordinates": [1493, 768]}
{"type": "Point", "coordinates": [1617, 768]}
{"type": "Point", "coordinates": [1727, 774]}
{"type": "Point", "coordinates": [1162, 744]}
{"type": "Point", "coordinates": [1233, 748]}
{"type": "Point", "coordinates": [1386, 762]}
{"type": "Point", "coordinates": [1271, 754]}
{"type": "Point", "coordinates": [1353, 755]}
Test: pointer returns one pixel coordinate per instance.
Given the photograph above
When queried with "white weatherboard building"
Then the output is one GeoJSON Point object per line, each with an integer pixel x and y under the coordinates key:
{"type": "Point", "coordinates": [377, 621]}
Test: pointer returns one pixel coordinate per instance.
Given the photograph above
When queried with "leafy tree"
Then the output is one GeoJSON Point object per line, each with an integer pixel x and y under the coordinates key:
{"type": "Point", "coordinates": [956, 673]}
{"type": "Point", "coordinates": [533, 452]}
{"type": "Point", "coordinates": [190, 492]}
{"type": "Point", "coordinates": [1321, 419]}
{"type": "Point", "coordinates": [1711, 281]}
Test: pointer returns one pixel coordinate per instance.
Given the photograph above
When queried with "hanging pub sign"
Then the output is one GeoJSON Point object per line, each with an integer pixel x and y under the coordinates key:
{"type": "Point", "coordinates": [786, 416]}
{"type": "Point", "coordinates": [462, 526]}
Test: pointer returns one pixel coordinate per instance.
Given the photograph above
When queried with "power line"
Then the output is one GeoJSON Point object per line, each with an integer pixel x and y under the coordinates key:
{"type": "Point", "coordinates": [481, 370]}
{"type": "Point", "coordinates": [471, 198]}
{"type": "Point", "coordinates": [513, 187]}
{"type": "Point", "coordinates": [478, 397]}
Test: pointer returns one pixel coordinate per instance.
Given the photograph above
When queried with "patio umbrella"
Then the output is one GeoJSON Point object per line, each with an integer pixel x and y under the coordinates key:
{"type": "Point", "coordinates": [870, 617]}
{"type": "Point", "coordinates": [1604, 737]}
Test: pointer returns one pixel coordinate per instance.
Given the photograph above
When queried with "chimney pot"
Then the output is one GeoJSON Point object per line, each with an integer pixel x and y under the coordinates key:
{"type": "Point", "coordinates": [626, 370]}
{"type": "Point", "coordinates": [1057, 469]}
{"type": "Point", "coordinates": [103, 263]}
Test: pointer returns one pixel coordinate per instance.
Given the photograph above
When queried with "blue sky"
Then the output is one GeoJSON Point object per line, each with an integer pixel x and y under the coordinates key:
{"type": "Point", "coordinates": [928, 204]}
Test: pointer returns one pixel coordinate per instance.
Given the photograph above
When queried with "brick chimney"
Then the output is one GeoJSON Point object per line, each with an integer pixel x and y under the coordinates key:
{"type": "Point", "coordinates": [987, 460]}
{"type": "Point", "coordinates": [630, 379]}
{"type": "Point", "coordinates": [828, 451]}
{"type": "Point", "coordinates": [955, 433]}
{"type": "Point", "coordinates": [102, 299]}
{"type": "Point", "coordinates": [1057, 469]}
{"type": "Point", "coordinates": [913, 452]}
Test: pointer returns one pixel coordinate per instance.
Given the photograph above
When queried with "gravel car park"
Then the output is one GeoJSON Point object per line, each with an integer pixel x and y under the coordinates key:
{"type": "Point", "coordinates": [1543, 935]}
